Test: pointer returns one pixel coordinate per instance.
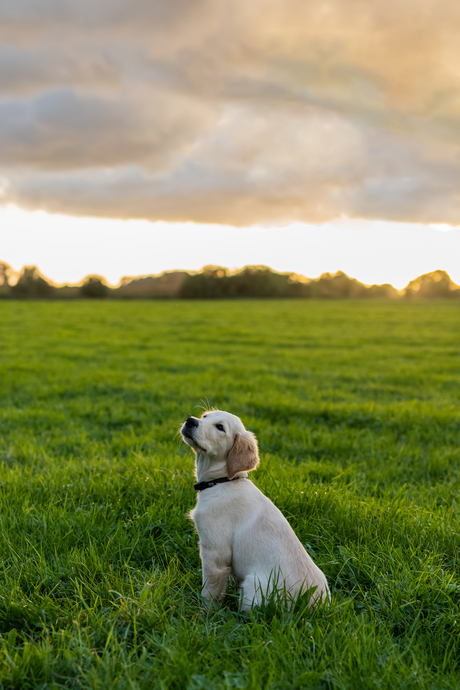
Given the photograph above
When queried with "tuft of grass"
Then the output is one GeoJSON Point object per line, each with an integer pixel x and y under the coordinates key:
{"type": "Point", "coordinates": [355, 407]}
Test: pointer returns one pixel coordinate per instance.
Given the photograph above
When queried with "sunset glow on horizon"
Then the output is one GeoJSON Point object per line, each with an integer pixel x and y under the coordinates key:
{"type": "Point", "coordinates": [66, 248]}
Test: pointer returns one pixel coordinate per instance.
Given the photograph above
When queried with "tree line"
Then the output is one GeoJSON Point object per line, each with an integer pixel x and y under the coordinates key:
{"type": "Point", "coordinates": [217, 282]}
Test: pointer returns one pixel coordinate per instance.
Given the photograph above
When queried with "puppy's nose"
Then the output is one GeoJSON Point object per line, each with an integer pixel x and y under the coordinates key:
{"type": "Point", "coordinates": [191, 422]}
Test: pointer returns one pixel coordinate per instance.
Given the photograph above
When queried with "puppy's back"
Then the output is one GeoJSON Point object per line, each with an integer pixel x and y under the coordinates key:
{"type": "Point", "coordinates": [265, 545]}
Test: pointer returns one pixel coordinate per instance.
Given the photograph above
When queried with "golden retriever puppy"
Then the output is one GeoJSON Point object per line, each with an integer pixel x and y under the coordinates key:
{"type": "Point", "coordinates": [241, 532]}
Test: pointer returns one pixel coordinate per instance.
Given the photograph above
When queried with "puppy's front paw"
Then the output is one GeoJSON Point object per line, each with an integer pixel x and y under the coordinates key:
{"type": "Point", "coordinates": [209, 603]}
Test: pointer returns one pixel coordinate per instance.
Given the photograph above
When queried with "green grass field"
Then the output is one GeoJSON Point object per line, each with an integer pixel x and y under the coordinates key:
{"type": "Point", "coordinates": [355, 406]}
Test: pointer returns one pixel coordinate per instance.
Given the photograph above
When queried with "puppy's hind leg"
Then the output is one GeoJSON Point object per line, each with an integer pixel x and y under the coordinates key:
{"type": "Point", "coordinates": [251, 592]}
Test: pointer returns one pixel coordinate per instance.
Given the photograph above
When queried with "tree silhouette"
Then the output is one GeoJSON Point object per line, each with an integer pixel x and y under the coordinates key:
{"type": "Point", "coordinates": [95, 287]}
{"type": "Point", "coordinates": [434, 285]}
{"type": "Point", "coordinates": [31, 283]}
{"type": "Point", "coordinates": [5, 274]}
{"type": "Point", "coordinates": [215, 282]}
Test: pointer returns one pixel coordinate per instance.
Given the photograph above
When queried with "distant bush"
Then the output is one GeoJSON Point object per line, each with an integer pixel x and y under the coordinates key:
{"type": "Point", "coordinates": [31, 283]}
{"type": "Point", "coordinates": [385, 291]}
{"type": "Point", "coordinates": [260, 281]}
{"type": "Point", "coordinates": [165, 284]}
{"type": "Point", "coordinates": [94, 286]}
{"type": "Point", "coordinates": [337, 286]}
{"type": "Point", "coordinates": [216, 282]}
{"type": "Point", "coordinates": [435, 285]}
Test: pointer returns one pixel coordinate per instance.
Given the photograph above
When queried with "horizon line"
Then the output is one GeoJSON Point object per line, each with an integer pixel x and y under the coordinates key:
{"type": "Point", "coordinates": [126, 280]}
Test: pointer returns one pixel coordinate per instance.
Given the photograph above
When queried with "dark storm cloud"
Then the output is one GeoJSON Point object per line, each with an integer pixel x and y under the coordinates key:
{"type": "Point", "coordinates": [232, 112]}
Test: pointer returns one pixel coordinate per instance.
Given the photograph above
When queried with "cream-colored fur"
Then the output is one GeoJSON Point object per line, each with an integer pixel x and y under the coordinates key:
{"type": "Point", "coordinates": [242, 533]}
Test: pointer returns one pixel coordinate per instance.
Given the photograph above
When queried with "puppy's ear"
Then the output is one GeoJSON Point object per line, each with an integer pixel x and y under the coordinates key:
{"type": "Point", "coordinates": [244, 455]}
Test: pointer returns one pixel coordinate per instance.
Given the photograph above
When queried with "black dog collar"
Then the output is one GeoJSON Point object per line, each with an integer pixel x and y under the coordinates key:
{"type": "Point", "coordinates": [201, 486]}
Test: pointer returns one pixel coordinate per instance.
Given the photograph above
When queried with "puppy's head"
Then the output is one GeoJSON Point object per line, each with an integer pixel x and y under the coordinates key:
{"type": "Point", "coordinates": [220, 435]}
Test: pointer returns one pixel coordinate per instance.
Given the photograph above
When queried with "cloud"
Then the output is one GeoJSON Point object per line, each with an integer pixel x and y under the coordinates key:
{"type": "Point", "coordinates": [232, 112]}
{"type": "Point", "coordinates": [62, 130]}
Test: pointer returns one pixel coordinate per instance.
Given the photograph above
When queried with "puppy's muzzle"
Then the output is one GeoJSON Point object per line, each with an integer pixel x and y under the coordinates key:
{"type": "Point", "coordinates": [190, 424]}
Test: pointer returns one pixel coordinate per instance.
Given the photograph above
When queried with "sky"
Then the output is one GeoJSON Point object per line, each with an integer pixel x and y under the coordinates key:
{"type": "Point", "coordinates": [270, 125]}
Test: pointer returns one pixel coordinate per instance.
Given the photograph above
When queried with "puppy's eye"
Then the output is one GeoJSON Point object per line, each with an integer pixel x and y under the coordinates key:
{"type": "Point", "coordinates": [220, 427]}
